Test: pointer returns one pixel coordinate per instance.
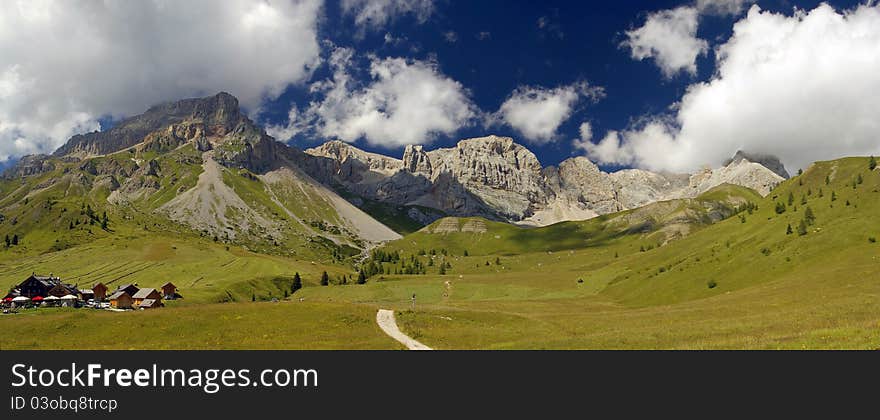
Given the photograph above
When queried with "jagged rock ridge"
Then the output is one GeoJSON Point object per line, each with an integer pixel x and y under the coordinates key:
{"type": "Point", "coordinates": [497, 178]}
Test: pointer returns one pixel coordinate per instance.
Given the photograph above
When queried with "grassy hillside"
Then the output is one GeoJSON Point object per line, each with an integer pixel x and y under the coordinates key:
{"type": "Point", "coordinates": [743, 282]}
{"type": "Point", "coordinates": [651, 225]}
{"type": "Point", "coordinates": [719, 271]}
{"type": "Point", "coordinates": [203, 327]}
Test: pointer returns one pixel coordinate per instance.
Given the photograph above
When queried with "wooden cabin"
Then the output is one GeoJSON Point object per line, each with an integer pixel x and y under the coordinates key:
{"type": "Point", "coordinates": [121, 300]}
{"type": "Point", "coordinates": [86, 294]}
{"type": "Point", "coordinates": [131, 289]}
{"type": "Point", "coordinates": [146, 293]}
{"type": "Point", "coordinates": [169, 291]}
{"type": "Point", "coordinates": [150, 304]}
{"type": "Point", "coordinates": [62, 289]}
{"type": "Point", "coordinates": [100, 291]}
{"type": "Point", "coordinates": [38, 285]}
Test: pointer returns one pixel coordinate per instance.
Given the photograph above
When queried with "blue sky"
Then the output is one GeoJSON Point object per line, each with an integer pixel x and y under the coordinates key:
{"type": "Point", "coordinates": [581, 41]}
{"type": "Point", "coordinates": [625, 83]}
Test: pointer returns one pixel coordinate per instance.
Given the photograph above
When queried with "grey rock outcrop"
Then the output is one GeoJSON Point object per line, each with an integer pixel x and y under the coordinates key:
{"type": "Point", "coordinates": [499, 179]}
{"type": "Point", "coordinates": [768, 161]}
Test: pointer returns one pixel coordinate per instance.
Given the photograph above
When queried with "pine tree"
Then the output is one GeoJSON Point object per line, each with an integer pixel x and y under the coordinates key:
{"type": "Point", "coordinates": [497, 261]}
{"type": "Point", "coordinates": [8, 241]}
{"type": "Point", "coordinates": [71, 226]}
{"type": "Point", "coordinates": [833, 196]}
{"type": "Point", "coordinates": [790, 198]}
{"type": "Point", "coordinates": [872, 163]}
{"type": "Point", "coordinates": [788, 230]}
{"type": "Point", "coordinates": [803, 200]}
{"type": "Point", "coordinates": [442, 271]}
{"type": "Point", "coordinates": [809, 217]}
{"type": "Point", "coordinates": [253, 297]}
{"type": "Point", "coordinates": [859, 179]}
{"type": "Point", "coordinates": [362, 277]}
{"type": "Point", "coordinates": [325, 279]}
{"type": "Point", "coordinates": [780, 208]}
{"type": "Point", "coordinates": [15, 239]}
{"type": "Point", "coordinates": [465, 253]}
{"type": "Point", "coordinates": [827, 180]}
{"type": "Point", "coordinates": [104, 221]}
{"type": "Point", "coordinates": [802, 228]}
{"type": "Point", "coordinates": [297, 283]}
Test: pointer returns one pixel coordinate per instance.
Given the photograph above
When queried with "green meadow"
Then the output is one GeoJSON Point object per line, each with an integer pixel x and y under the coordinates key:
{"type": "Point", "coordinates": [798, 269]}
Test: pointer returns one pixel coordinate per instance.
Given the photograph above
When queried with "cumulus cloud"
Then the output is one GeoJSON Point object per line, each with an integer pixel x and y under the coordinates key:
{"type": "Point", "coordinates": [586, 136]}
{"type": "Point", "coordinates": [375, 14]}
{"type": "Point", "coordinates": [537, 112]}
{"type": "Point", "coordinates": [722, 7]}
{"type": "Point", "coordinates": [669, 37]}
{"type": "Point", "coordinates": [404, 102]}
{"type": "Point", "coordinates": [66, 64]}
{"type": "Point", "coordinates": [798, 86]}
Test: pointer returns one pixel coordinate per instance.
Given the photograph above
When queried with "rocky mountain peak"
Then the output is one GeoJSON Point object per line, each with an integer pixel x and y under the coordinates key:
{"type": "Point", "coordinates": [416, 160]}
{"type": "Point", "coordinates": [218, 115]}
{"type": "Point", "coordinates": [768, 161]}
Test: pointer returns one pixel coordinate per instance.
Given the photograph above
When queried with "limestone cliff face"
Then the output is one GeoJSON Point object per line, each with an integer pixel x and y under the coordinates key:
{"type": "Point", "coordinates": [218, 114]}
{"type": "Point", "coordinates": [497, 178]}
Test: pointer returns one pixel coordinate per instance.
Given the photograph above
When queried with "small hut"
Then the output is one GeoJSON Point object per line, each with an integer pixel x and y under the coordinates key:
{"type": "Point", "coordinates": [169, 291]}
{"type": "Point", "coordinates": [150, 304]}
{"type": "Point", "coordinates": [100, 291]}
{"type": "Point", "coordinates": [131, 289]}
{"type": "Point", "coordinates": [121, 300]}
{"type": "Point", "coordinates": [146, 293]}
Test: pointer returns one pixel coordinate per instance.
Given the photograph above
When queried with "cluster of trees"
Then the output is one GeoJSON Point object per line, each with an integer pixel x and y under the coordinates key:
{"type": "Point", "coordinates": [86, 209]}
{"type": "Point", "coordinates": [392, 262]}
{"type": "Point", "coordinates": [11, 241]}
{"type": "Point", "coordinates": [433, 251]}
{"type": "Point", "coordinates": [808, 220]}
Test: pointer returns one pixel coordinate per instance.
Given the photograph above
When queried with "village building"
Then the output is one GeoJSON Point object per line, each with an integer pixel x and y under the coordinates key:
{"type": "Point", "coordinates": [121, 300]}
{"type": "Point", "coordinates": [131, 289]}
{"type": "Point", "coordinates": [61, 289]}
{"type": "Point", "coordinates": [150, 304]}
{"type": "Point", "coordinates": [86, 294]}
{"type": "Point", "coordinates": [100, 291]}
{"type": "Point", "coordinates": [169, 291]}
{"type": "Point", "coordinates": [37, 286]}
{"type": "Point", "coordinates": [145, 293]}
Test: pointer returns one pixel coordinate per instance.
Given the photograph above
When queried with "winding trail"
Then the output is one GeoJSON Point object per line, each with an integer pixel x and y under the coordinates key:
{"type": "Point", "coordinates": [385, 319]}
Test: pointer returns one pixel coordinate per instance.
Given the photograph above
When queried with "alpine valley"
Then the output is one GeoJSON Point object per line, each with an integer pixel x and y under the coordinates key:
{"type": "Point", "coordinates": [275, 247]}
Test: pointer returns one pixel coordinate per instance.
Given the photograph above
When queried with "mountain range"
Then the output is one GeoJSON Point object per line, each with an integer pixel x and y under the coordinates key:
{"type": "Point", "coordinates": [202, 165]}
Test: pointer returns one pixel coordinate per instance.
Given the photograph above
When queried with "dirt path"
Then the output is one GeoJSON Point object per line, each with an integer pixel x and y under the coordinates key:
{"type": "Point", "coordinates": [385, 319]}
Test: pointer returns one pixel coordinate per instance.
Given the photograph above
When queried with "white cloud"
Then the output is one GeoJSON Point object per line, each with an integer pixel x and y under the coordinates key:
{"type": "Point", "coordinates": [405, 102]}
{"type": "Point", "coordinates": [375, 14]}
{"type": "Point", "coordinates": [801, 87]}
{"type": "Point", "coordinates": [584, 142]}
{"type": "Point", "coordinates": [450, 37]}
{"type": "Point", "coordinates": [668, 37]}
{"type": "Point", "coordinates": [538, 112]}
{"type": "Point", "coordinates": [65, 64]}
{"type": "Point", "coordinates": [722, 7]}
